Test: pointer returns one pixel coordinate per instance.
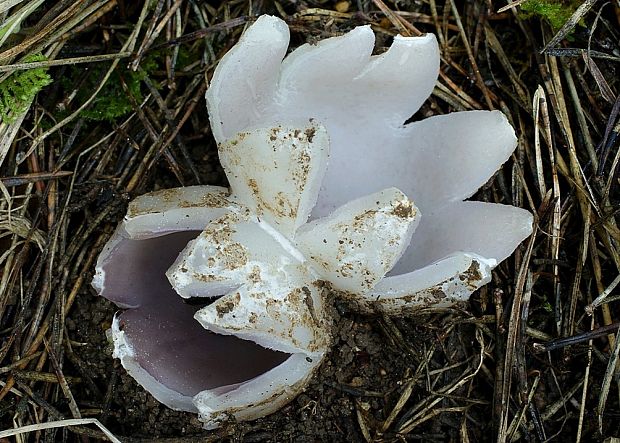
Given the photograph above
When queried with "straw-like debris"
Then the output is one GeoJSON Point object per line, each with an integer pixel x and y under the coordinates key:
{"type": "Point", "coordinates": [103, 100]}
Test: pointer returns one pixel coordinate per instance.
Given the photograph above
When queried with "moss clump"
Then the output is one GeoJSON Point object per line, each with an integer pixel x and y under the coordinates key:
{"type": "Point", "coordinates": [112, 101]}
{"type": "Point", "coordinates": [19, 89]}
{"type": "Point", "coordinates": [556, 12]}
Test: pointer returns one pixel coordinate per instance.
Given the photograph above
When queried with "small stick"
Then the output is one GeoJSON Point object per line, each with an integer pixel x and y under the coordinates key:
{"type": "Point", "coordinates": [24, 179]}
{"type": "Point", "coordinates": [576, 339]}
{"type": "Point", "coordinates": [600, 299]}
{"type": "Point", "coordinates": [64, 61]}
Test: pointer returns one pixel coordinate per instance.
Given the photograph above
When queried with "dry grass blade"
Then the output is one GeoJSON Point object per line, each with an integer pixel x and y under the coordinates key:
{"type": "Point", "coordinates": [5, 5]}
{"type": "Point", "coordinates": [539, 100]}
{"type": "Point", "coordinates": [498, 50]}
{"type": "Point", "coordinates": [426, 409]}
{"type": "Point", "coordinates": [404, 27]}
{"type": "Point", "coordinates": [59, 424]}
{"type": "Point", "coordinates": [601, 298]}
{"type": "Point", "coordinates": [577, 52]}
{"type": "Point", "coordinates": [24, 179]}
{"type": "Point", "coordinates": [514, 327]}
{"type": "Point", "coordinates": [581, 117]}
{"type": "Point", "coordinates": [598, 76]}
{"type": "Point", "coordinates": [125, 114]}
{"type": "Point", "coordinates": [584, 392]}
{"type": "Point", "coordinates": [404, 397]}
{"type": "Point", "coordinates": [576, 339]}
{"type": "Point", "coordinates": [606, 384]}
{"type": "Point", "coordinates": [8, 131]}
{"type": "Point", "coordinates": [472, 59]}
{"type": "Point", "coordinates": [361, 420]}
{"type": "Point", "coordinates": [553, 408]}
{"type": "Point", "coordinates": [14, 22]}
{"type": "Point", "coordinates": [73, 407]}
{"type": "Point", "coordinates": [612, 130]}
{"type": "Point", "coordinates": [202, 33]}
{"type": "Point", "coordinates": [62, 62]}
{"type": "Point", "coordinates": [581, 11]}
{"type": "Point", "coordinates": [519, 418]}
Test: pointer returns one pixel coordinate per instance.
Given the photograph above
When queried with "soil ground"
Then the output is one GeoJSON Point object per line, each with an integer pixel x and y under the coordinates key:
{"type": "Point", "coordinates": [524, 348]}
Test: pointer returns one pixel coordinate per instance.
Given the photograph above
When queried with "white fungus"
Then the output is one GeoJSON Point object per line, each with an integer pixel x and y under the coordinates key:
{"type": "Point", "coordinates": [330, 192]}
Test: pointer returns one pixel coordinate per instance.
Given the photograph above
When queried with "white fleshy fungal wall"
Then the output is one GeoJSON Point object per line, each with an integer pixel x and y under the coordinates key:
{"type": "Point", "coordinates": [328, 194]}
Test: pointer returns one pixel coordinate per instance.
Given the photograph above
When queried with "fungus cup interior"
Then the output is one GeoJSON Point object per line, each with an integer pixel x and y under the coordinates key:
{"type": "Point", "coordinates": [159, 327]}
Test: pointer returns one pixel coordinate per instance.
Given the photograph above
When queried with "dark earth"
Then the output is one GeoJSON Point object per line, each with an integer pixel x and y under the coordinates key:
{"type": "Point", "coordinates": [429, 376]}
{"type": "Point", "coordinates": [373, 357]}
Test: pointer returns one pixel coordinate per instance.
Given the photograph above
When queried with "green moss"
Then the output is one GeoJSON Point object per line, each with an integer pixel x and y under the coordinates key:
{"type": "Point", "coordinates": [556, 12]}
{"type": "Point", "coordinates": [20, 88]}
{"type": "Point", "coordinates": [113, 101]}
{"type": "Point", "coordinates": [185, 58]}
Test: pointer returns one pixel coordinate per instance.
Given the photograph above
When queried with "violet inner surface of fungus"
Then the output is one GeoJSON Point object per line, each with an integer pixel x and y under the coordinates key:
{"type": "Point", "coordinates": [319, 136]}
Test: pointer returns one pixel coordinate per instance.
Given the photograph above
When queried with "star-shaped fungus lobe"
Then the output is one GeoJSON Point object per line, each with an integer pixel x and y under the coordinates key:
{"type": "Point", "coordinates": [272, 267]}
{"type": "Point", "coordinates": [364, 101]}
